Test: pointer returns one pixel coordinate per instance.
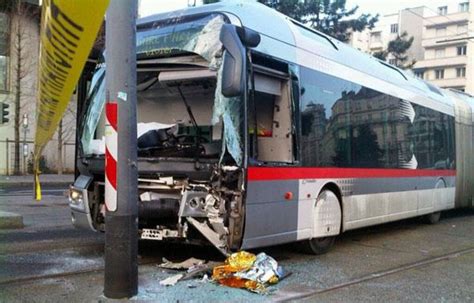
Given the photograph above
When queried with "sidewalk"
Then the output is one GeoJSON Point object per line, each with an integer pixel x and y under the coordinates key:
{"type": "Point", "coordinates": [28, 181]}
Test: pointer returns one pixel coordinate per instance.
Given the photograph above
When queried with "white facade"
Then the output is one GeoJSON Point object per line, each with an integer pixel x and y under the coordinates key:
{"type": "Point", "coordinates": [389, 27]}
{"type": "Point", "coordinates": [441, 49]}
{"type": "Point", "coordinates": [448, 53]}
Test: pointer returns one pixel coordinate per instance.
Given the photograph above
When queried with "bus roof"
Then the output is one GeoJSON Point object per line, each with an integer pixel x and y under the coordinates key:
{"type": "Point", "coordinates": [274, 25]}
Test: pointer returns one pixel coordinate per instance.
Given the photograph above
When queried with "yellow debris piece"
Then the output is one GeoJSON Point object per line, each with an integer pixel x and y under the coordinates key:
{"type": "Point", "coordinates": [246, 270]}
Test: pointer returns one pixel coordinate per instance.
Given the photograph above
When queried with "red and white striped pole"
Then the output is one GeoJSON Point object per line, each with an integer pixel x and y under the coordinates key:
{"type": "Point", "coordinates": [121, 197]}
{"type": "Point", "coordinates": [111, 153]}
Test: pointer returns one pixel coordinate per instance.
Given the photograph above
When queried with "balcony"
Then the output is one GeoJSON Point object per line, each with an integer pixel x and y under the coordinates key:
{"type": "Point", "coordinates": [443, 41]}
{"type": "Point", "coordinates": [447, 19]}
{"type": "Point", "coordinates": [451, 82]}
{"type": "Point", "coordinates": [441, 62]}
{"type": "Point", "coordinates": [375, 45]}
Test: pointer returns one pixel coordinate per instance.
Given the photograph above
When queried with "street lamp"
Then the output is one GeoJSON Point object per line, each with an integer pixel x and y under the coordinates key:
{"type": "Point", "coordinates": [25, 145]}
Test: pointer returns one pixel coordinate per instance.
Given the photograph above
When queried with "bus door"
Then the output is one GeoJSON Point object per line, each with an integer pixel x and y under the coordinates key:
{"type": "Point", "coordinates": [271, 203]}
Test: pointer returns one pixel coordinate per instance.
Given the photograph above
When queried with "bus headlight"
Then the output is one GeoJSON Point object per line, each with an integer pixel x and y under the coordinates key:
{"type": "Point", "coordinates": [76, 198]}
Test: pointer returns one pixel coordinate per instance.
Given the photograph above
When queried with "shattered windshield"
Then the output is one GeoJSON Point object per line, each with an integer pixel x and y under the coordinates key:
{"type": "Point", "coordinates": [199, 35]}
{"type": "Point", "coordinates": [96, 101]}
{"type": "Point", "coordinates": [181, 111]}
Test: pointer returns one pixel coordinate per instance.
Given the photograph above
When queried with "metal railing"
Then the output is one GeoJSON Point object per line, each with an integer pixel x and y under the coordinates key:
{"type": "Point", "coordinates": [49, 163]}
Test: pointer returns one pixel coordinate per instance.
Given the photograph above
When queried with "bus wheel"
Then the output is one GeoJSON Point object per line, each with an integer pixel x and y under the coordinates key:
{"type": "Point", "coordinates": [432, 218]}
{"type": "Point", "coordinates": [318, 246]}
{"type": "Point", "coordinates": [326, 218]}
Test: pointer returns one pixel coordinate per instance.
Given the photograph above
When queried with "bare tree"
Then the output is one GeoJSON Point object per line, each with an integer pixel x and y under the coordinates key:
{"type": "Point", "coordinates": [23, 52]}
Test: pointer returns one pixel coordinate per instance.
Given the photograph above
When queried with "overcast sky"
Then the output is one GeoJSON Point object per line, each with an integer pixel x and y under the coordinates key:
{"type": "Point", "coordinates": [383, 7]}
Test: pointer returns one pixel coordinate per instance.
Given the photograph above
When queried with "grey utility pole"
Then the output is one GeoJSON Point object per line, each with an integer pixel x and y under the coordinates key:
{"type": "Point", "coordinates": [121, 225]}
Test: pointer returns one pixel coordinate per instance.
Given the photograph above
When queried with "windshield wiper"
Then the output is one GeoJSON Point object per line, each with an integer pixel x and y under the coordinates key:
{"type": "Point", "coordinates": [191, 116]}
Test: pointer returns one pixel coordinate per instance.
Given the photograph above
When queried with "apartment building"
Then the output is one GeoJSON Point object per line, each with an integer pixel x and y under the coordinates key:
{"type": "Point", "coordinates": [448, 47]}
{"type": "Point", "coordinates": [389, 27]}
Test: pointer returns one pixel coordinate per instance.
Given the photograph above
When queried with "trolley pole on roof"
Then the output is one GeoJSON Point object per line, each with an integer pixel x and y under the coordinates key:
{"type": "Point", "coordinates": [121, 220]}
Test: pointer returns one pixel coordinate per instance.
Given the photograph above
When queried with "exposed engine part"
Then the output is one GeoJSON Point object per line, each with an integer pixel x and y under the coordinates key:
{"type": "Point", "coordinates": [159, 234]}
{"type": "Point", "coordinates": [162, 183]}
{"type": "Point", "coordinates": [214, 207]}
{"type": "Point", "coordinates": [210, 235]}
{"type": "Point", "coordinates": [163, 180]}
{"type": "Point", "coordinates": [193, 204]}
{"type": "Point", "coordinates": [229, 168]}
{"type": "Point", "coordinates": [158, 209]}
{"type": "Point", "coordinates": [150, 196]}
{"type": "Point", "coordinates": [216, 213]}
{"type": "Point", "coordinates": [236, 222]}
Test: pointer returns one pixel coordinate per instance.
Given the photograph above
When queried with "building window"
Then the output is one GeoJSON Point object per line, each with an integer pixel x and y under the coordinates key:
{"type": "Point", "coordinates": [394, 28]}
{"type": "Point", "coordinates": [439, 74]}
{"type": "Point", "coordinates": [376, 37]}
{"type": "Point", "coordinates": [419, 74]}
{"type": "Point", "coordinates": [392, 61]}
{"type": "Point", "coordinates": [462, 50]}
{"type": "Point", "coordinates": [441, 31]}
{"type": "Point", "coordinates": [461, 72]}
{"type": "Point", "coordinates": [442, 10]}
{"type": "Point", "coordinates": [440, 53]}
{"type": "Point", "coordinates": [4, 53]}
{"type": "Point", "coordinates": [464, 7]}
{"type": "Point", "coordinates": [462, 28]}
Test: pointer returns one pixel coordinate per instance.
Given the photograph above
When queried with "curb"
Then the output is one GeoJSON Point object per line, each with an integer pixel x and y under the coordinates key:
{"type": "Point", "coordinates": [10, 220]}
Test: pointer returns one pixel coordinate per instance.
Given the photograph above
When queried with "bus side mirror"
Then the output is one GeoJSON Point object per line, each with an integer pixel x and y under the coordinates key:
{"type": "Point", "coordinates": [234, 40]}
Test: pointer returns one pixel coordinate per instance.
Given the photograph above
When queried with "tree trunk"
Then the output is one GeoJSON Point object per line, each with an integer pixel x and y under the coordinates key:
{"type": "Point", "coordinates": [17, 147]}
{"type": "Point", "coordinates": [60, 148]}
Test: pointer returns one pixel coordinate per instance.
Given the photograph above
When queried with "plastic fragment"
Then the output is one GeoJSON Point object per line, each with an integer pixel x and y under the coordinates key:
{"type": "Point", "coordinates": [171, 281]}
{"type": "Point", "coordinates": [187, 264]}
{"type": "Point", "coordinates": [205, 279]}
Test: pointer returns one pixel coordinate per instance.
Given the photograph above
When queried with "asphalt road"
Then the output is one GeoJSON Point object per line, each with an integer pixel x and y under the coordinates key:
{"type": "Point", "coordinates": [50, 261]}
{"type": "Point", "coordinates": [21, 191]}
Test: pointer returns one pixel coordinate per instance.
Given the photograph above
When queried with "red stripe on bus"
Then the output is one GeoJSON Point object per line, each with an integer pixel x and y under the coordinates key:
{"type": "Point", "coordinates": [111, 110]}
{"type": "Point", "coordinates": [295, 173]}
{"type": "Point", "coordinates": [110, 168]}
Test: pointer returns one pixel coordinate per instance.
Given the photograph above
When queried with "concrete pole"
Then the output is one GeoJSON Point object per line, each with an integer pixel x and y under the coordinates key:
{"type": "Point", "coordinates": [121, 225]}
{"type": "Point", "coordinates": [8, 157]}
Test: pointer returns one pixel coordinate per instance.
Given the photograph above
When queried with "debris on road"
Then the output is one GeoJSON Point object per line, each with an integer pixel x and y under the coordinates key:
{"type": "Point", "coordinates": [194, 268]}
{"type": "Point", "coordinates": [245, 270]}
{"type": "Point", "coordinates": [240, 270]}
{"type": "Point", "coordinates": [171, 281]}
{"type": "Point", "coordinates": [187, 264]}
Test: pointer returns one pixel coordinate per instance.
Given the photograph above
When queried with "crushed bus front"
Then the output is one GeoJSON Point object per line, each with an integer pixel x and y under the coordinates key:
{"type": "Point", "coordinates": [190, 148]}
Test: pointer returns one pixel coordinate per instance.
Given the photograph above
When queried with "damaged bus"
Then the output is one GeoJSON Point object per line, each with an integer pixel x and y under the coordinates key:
{"type": "Point", "coordinates": [255, 130]}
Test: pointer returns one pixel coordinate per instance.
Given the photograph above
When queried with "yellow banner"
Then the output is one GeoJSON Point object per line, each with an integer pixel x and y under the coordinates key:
{"type": "Point", "coordinates": [68, 31]}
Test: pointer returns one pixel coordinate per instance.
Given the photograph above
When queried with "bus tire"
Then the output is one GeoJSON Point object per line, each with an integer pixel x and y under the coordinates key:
{"type": "Point", "coordinates": [432, 218]}
{"type": "Point", "coordinates": [318, 246]}
{"type": "Point", "coordinates": [321, 243]}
